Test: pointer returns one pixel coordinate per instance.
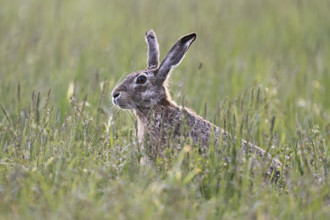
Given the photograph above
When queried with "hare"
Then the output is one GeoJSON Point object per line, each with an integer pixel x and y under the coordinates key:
{"type": "Point", "coordinates": [161, 122]}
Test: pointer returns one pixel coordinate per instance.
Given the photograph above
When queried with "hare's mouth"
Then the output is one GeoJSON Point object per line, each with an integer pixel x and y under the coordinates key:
{"type": "Point", "coordinates": [124, 107]}
{"type": "Point", "coordinates": [121, 105]}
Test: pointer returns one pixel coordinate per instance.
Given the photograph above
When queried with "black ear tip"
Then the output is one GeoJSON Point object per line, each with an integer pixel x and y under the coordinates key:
{"type": "Point", "coordinates": [190, 37]}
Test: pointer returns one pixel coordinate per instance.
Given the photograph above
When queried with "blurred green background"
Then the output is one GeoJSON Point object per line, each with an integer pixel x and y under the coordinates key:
{"type": "Point", "coordinates": [241, 45]}
{"type": "Point", "coordinates": [262, 60]}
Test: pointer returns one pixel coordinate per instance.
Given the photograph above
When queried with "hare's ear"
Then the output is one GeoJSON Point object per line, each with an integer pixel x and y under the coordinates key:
{"type": "Point", "coordinates": [175, 55]}
{"type": "Point", "coordinates": [153, 49]}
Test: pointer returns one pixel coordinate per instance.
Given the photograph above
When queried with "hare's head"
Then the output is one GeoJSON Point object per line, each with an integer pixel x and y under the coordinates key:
{"type": "Point", "coordinates": [146, 88]}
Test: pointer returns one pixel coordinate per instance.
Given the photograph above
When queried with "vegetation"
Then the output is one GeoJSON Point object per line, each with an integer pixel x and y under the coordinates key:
{"type": "Point", "coordinates": [258, 68]}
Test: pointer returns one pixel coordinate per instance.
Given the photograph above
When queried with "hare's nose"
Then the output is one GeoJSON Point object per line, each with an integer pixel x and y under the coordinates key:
{"type": "Point", "coordinates": [115, 95]}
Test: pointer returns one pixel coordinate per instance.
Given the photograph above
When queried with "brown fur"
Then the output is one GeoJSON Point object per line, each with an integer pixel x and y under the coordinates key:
{"type": "Point", "coordinates": [161, 122]}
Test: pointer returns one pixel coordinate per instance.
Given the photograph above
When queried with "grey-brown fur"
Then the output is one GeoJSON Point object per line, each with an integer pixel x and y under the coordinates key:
{"type": "Point", "coordinates": [161, 122]}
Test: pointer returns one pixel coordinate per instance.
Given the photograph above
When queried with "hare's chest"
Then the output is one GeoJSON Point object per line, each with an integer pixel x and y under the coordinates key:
{"type": "Point", "coordinates": [161, 126]}
{"type": "Point", "coordinates": [164, 126]}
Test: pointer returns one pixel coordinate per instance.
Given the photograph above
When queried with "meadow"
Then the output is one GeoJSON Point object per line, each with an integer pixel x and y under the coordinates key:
{"type": "Point", "coordinates": [260, 69]}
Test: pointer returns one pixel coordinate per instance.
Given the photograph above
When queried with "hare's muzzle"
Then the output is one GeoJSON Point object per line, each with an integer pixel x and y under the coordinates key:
{"type": "Point", "coordinates": [115, 96]}
{"type": "Point", "coordinates": [121, 99]}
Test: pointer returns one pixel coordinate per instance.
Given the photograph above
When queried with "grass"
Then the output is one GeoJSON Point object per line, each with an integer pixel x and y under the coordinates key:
{"type": "Point", "coordinates": [258, 68]}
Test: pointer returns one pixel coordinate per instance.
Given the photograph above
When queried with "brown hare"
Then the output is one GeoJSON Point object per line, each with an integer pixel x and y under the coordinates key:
{"type": "Point", "coordinates": [161, 122]}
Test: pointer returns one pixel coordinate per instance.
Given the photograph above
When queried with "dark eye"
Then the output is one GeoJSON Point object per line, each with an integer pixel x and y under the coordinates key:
{"type": "Point", "coordinates": [141, 79]}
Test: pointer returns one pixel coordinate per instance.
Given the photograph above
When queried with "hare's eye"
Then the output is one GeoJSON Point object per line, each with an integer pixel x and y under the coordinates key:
{"type": "Point", "coordinates": [141, 79]}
